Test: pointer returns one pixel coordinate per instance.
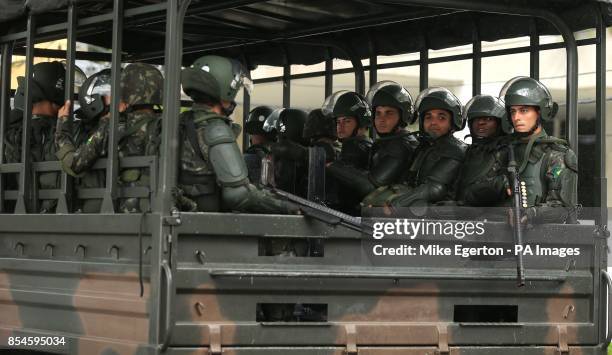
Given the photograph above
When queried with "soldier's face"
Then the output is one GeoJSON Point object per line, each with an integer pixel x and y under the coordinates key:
{"type": "Point", "coordinates": [524, 118]}
{"type": "Point", "coordinates": [386, 119]}
{"type": "Point", "coordinates": [484, 127]}
{"type": "Point", "coordinates": [258, 139]}
{"type": "Point", "coordinates": [437, 122]}
{"type": "Point", "coordinates": [345, 126]}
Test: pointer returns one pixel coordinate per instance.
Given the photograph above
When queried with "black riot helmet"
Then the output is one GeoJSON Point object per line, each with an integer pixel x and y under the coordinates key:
{"type": "Point", "coordinates": [443, 99]}
{"type": "Point", "coordinates": [91, 95]}
{"type": "Point", "coordinates": [390, 93]}
{"type": "Point", "coordinates": [319, 125]}
{"type": "Point", "coordinates": [346, 103]}
{"type": "Point", "coordinates": [288, 124]}
{"type": "Point", "coordinates": [48, 83]}
{"type": "Point", "coordinates": [255, 121]}
{"type": "Point", "coordinates": [487, 106]}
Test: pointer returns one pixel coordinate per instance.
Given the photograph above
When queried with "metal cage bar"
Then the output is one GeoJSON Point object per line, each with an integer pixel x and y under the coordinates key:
{"type": "Point", "coordinates": [64, 202]}
{"type": "Point", "coordinates": [329, 72]}
{"type": "Point", "coordinates": [108, 204]}
{"type": "Point", "coordinates": [5, 88]}
{"type": "Point", "coordinates": [286, 79]}
{"type": "Point", "coordinates": [601, 198]}
{"type": "Point", "coordinates": [26, 199]}
{"type": "Point", "coordinates": [534, 50]}
{"type": "Point", "coordinates": [476, 62]}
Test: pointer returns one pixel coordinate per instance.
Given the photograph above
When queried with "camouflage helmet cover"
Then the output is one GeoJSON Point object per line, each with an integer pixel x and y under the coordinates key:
{"type": "Point", "coordinates": [390, 93]}
{"type": "Point", "coordinates": [487, 106]}
{"type": "Point", "coordinates": [527, 91]}
{"type": "Point", "coordinates": [48, 83]}
{"type": "Point", "coordinates": [257, 118]}
{"type": "Point", "coordinates": [141, 84]}
{"type": "Point", "coordinates": [440, 98]}
{"type": "Point", "coordinates": [218, 77]}
{"type": "Point", "coordinates": [346, 103]}
{"type": "Point", "coordinates": [318, 124]}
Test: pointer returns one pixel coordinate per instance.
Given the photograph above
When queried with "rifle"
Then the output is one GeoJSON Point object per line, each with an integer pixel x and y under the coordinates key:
{"type": "Point", "coordinates": [516, 214]}
{"type": "Point", "coordinates": [323, 213]}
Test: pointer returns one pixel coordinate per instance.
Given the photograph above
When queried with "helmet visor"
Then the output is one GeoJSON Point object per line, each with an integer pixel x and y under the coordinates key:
{"type": "Point", "coordinates": [240, 78]}
{"type": "Point", "coordinates": [271, 123]}
{"type": "Point", "coordinates": [331, 101]}
{"type": "Point", "coordinates": [374, 89]}
{"type": "Point", "coordinates": [79, 77]}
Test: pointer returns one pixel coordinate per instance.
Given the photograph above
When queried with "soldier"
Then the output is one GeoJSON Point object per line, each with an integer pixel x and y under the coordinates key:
{"type": "Point", "coordinates": [47, 90]}
{"type": "Point", "coordinates": [548, 168]}
{"type": "Point", "coordinates": [482, 181]}
{"type": "Point", "coordinates": [392, 152]}
{"type": "Point", "coordinates": [138, 127]}
{"type": "Point", "coordinates": [212, 171]}
{"type": "Point", "coordinates": [439, 155]}
{"type": "Point", "coordinates": [260, 141]}
{"type": "Point", "coordinates": [288, 154]}
{"type": "Point", "coordinates": [353, 116]}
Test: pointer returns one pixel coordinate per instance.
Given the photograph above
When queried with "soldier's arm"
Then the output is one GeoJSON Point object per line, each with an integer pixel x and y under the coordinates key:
{"type": "Point", "coordinates": [75, 160]}
{"type": "Point", "coordinates": [436, 186]}
{"type": "Point", "coordinates": [561, 181]}
{"type": "Point", "coordinates": [237, 193]}
{"type": "Point", "coordinates": [354, 179]}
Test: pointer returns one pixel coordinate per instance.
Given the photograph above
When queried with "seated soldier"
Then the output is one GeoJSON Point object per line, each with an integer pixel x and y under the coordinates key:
{"type": "Point", "coordinates": [482, 180]}
{"type": "Point", "coordinates": [212, 172]}
{"type": "Point", "coordinates": [439, 155]}
{"type": "Point", "coordinates": [260, 141]}
{"type": "Point", "coordinates": [548, 168]}
{"type": "Point", "coordinates": [353, 116]}
{"type": "Point", "coordinates": [47, 90]}
{"type": "Point", "coordinates": [392, 151]}
{"type": "Point", "coordinates": [138, 127]}
{"type": "Point", "coordinates": [290, 170]}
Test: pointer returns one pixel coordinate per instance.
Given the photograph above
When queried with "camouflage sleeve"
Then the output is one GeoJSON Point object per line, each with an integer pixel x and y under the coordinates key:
{"type": "Point", "coordinates": [75, 160]}
{"type": "Point", "coordinates": [561, 178]}
{"type": "Point", "coordinates": [12, 146]}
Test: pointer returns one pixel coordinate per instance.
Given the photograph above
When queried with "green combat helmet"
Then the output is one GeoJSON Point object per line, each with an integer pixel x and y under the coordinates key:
{"type": "Point", "coordinates": [440, 98]}
{"type": "Point", "coordinates": [523, 90]}
{"type": "Point", "coordinates": [48, 82]}
{"type": "Point", "coordinates": [216, 78]}
{"type": "Point", "coordinates": [319, 125]}
{"type": "Point", "coordinates": [487, 106]}
{"type": "Point", "coordinates": [346, 103]}
{"type": "Point", "coordinates": [390, 93]}
{"type": "Point", "coordinates": [141, 84]}
{"type": "Point", "coordinates": [255, 121]}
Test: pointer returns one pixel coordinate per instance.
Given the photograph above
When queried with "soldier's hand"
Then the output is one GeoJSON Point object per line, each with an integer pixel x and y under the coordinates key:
{"type": "Point", "coordinates": [64, 111]}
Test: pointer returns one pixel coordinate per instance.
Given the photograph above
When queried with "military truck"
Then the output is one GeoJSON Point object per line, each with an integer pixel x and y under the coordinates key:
{"type": "Point", "coordinates": [166, 282]}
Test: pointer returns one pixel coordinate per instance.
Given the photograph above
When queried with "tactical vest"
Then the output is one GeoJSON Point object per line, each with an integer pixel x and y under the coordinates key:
{"type": "Point", "coordinates": [356, 151]}
{"type": "Point", "coordinates": [399, 146]}
{"type": "Point", "coordinates": [429, 154]}
{"type": "Point", "coordinates": [483, 163]}
{"type": "Point", "coordinates": [196, 177]}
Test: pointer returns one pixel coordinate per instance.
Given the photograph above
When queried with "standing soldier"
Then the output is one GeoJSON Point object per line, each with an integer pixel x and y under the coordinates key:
{"type": "Point", "coordinates": [138, 128]}
{"type": "Point", "coordinates": [260, 141]}
{"type": "Point", "coordinates": [212, 171]}
{"type": "Point", "coordinates": [482, 181]}
{"type": "Point", "coordinates": [47, 90]}
{"type": "Point", "coordinates": [435, 167]}
{"type": "Point", "coordinates": [548, 168]}
{"type": "Point", "coordinates": [392, 152]}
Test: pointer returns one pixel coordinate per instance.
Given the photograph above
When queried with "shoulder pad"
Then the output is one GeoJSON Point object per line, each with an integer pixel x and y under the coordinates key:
{"type": "Point", "coordinates": [217, 131]}
{"type": "Point", "coordinates": [451, 148]}
{"type": "Point", "coordinates": [200, 117]}
{"type": "Point", "coordinates": [571, 161]}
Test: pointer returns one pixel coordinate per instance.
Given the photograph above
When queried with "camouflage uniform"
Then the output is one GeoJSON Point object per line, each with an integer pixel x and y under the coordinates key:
{"type": "Point", "coordinates": [198, 178]}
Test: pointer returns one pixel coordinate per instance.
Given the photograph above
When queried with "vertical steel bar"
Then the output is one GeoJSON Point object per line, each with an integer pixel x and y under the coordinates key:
{"type": "Point", "coordinates": [534, 52]}
{"type": "Point", "coordinates": [26, 199]}
{"type": "Point", "coordinates": [246, 108]}
{"type": "Point", "coordinates": [5, 89]}
{"type": "Point", "coordinates": [476, 61]}
{"type": "Point", "coordinates": [373, 69]}
{"type": "Point", "coordinates": [329, 72]}
{"type": "Point", "coordinates": [601, 194]}
{"type": "Point", "coordinates": [424, 69]}
{"type": "Point", "coordinates": [64, 201]}
{"type": "Point", "coordinates": [112, 167]}
{"type": "Point", "coordinates": [359, 75]}
{"type": "Point", "coordinates": [286, 80]}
